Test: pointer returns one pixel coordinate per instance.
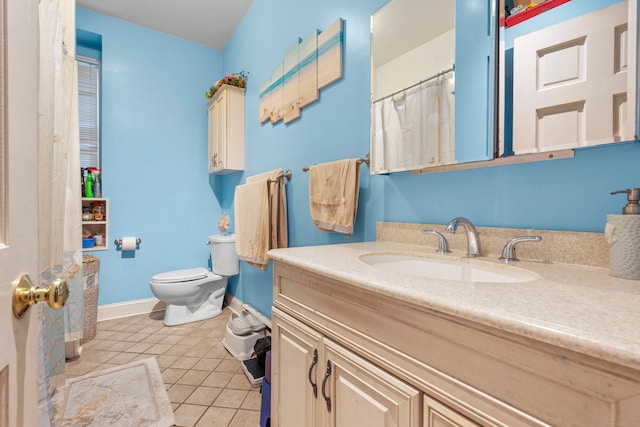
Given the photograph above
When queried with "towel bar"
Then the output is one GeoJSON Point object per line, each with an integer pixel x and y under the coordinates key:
{"type": "Point", "coordinates": [286, 174]}
{"type": "Point", "coordinates": [366, 160]}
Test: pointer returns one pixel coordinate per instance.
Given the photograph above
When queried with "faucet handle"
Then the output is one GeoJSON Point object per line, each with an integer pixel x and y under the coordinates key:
{"type": "Point", "coordinates": [443, 245]}
{"type": "Point", "coordinates": [509, 250]}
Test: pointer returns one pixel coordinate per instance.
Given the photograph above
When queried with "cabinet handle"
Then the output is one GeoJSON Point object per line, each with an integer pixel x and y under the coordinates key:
{"type": "Point", "coordinates": [324, 383]}
{"type": "Point", "coordinates": [313, 363]}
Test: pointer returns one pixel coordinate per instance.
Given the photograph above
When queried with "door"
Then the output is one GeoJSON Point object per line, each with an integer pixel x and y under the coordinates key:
{"type": "Point", "coordinates": [357, 393]}
{"type": "Point", "coordinates": [18, 207]}
{"type": "Point", "coordinates": [295, 368]}
{"type": "Point", "coordinates": [218, 132]}
{"type": "Point", "coordinates": [573, 83]}
{"type": "Point", "coordinates": [438, 415]}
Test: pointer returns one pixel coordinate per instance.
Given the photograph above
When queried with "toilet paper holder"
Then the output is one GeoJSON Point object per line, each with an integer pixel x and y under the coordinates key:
{"type": "Point", "coordinates": [118, 242]}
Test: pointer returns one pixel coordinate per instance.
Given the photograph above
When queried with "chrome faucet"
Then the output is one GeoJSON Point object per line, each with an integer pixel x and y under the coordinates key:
{"type": "Point", "coordinates": [443, 245]}
{"type": "Point", "coordinates": [473, 240]}
{"type": "Point", "coordinates": [509, 250]}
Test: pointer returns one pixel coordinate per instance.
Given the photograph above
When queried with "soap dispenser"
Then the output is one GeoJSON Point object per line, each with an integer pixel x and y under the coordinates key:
{"type": "Point", "coordinates": [622, 233]}
{"type": "Point", "coordinates": [633, 199]}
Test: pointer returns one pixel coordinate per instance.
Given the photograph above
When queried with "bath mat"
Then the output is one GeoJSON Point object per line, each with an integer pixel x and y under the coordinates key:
{"type": "Point", "coordinates": [128, 395]}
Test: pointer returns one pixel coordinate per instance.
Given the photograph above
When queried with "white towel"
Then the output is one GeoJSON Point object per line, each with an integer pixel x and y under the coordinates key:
{"type": "Point", "coordinates": [251, 213]}
{"type": "Point", "coordinates": [333, 195]}
{"type": "Point", "coordinates": [260, 208]}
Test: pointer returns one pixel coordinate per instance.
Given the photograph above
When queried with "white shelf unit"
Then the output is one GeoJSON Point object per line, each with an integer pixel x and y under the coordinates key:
{"type": "Point", "coordinates": [97, 227]}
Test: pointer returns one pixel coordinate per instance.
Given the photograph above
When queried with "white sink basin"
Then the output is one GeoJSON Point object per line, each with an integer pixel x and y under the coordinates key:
{"type": "Point", "coordinates": [445, 269]}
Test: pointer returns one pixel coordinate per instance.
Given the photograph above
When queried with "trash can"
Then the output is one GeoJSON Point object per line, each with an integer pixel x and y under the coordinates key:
{"type": "Point", "coordinates": [90, 269]}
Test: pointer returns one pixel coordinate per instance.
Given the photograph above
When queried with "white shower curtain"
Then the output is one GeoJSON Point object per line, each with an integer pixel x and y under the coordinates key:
{"type": "Point", "coordinates": [414, 127]}
{"type": "Point", "coordinates": [59, 229]}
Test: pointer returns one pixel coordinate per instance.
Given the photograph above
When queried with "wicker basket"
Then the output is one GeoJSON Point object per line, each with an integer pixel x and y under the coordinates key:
{"type": "Point", "coordinates": [90, 269]}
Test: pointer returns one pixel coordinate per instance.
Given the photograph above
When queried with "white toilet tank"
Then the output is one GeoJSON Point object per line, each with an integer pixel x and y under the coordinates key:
{"type": "Point", "coordinates": [224, 259]}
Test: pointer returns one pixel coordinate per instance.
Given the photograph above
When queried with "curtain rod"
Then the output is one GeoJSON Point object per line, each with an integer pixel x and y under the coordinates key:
{"type": "Point", "coordinates": [435, 76]}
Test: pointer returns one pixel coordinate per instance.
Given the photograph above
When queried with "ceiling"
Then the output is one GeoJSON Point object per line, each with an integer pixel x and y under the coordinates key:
{"type": "Point", "coordinates": [207, 22]}
{"type": "Point", "coordinates": [403, 25]}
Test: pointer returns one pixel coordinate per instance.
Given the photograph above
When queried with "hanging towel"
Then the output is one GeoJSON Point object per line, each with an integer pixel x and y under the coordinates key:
{"type": "Point", "coordinates": [277, 206]}
{"type": "Point", "coordinates": [251, 213]}
{"type": "Point", "coordinates": [260, 211]}
{"type": "Point", "coordinates": [333, 195]}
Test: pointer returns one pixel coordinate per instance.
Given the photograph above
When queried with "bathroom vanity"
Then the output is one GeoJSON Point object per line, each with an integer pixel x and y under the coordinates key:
{"type": "Point", "coordinates": [360, 344]}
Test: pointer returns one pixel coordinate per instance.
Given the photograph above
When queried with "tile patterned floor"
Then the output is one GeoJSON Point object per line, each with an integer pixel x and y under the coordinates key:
{"type": "Point", "coordinates": [206, 385]}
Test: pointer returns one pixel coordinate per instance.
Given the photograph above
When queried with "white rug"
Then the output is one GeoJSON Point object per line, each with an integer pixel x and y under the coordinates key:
{"type": "Point", "coordinates": [128, 395]}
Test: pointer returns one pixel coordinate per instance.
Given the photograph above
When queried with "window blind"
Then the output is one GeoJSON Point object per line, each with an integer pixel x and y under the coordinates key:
{"type": "Point", "coordinates": [89, 111]}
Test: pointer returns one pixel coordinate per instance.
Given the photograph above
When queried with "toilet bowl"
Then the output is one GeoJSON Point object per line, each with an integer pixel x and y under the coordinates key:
{"type": "Point", "coordinates": [196, 293]}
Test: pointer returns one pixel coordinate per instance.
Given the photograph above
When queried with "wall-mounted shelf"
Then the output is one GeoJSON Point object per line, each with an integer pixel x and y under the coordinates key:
{"type": "Point", "coordinates": [99, 227]}
{"type": "Point", "coordinates": [531, 12]}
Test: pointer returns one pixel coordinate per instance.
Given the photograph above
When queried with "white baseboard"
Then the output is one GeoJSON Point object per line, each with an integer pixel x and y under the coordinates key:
{"type": "Point", "coordinates": [129, 308]}
{"type": "Point", "coordinates": [146, 306]}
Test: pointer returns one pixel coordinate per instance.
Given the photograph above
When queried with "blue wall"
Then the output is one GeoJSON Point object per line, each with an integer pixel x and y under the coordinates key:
{"type": "Point", "coordinates": [154, 148]}
{"type": "Point", "coordinates": [334, 127]}
{"type": "Point", "coordinates": [567, 194]}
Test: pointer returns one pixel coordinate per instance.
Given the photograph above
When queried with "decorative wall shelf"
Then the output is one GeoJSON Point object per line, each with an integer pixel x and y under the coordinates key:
{"type": "Point", "coordinates": [530, 13]}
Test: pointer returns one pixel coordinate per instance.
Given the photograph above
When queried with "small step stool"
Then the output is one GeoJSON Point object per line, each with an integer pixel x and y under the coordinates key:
{"type": "Point", "coordinates": [240, 346]}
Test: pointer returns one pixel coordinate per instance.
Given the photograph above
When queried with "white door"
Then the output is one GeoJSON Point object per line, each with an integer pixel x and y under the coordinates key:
{"type": "Point", "coordinates": [572, 83]}
{"type": "Point", "coordinates": [18, 207]}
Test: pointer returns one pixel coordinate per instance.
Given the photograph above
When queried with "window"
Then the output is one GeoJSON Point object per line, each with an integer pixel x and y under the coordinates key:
{"type": "Point", "coordinates": [89, 111]}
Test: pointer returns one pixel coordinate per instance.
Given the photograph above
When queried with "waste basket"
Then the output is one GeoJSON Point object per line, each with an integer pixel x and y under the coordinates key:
{"type": "Point", "coordinates": [90, 269]}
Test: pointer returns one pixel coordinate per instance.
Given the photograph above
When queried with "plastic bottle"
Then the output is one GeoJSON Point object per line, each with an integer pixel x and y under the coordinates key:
{"type": "Point", "coordinates": [88, 187]}
{"type": "Point", "coordinates": [82, 181]}
{"type": "Point", "coordinates": [97, 183]}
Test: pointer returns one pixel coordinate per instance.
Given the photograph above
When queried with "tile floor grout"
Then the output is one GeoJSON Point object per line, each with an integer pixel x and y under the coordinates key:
{"type": "Point", "coordinates": [206, 384]}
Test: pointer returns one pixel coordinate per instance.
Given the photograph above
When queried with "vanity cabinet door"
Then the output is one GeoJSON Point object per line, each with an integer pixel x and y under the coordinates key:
{"type": "Point", "coordinates": [358, 393]}
{"type": "Point", "coordinates": [295, 371]}
{"type": "Point", "coordinates": [438, 415]}
{"type": "Point", "coordinates": [316, 382]}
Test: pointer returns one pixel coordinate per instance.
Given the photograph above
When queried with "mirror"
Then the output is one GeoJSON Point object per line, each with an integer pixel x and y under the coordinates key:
{"type": "Point", "coordinates": [568, 76]}
{"type": "Point", "coordinates": [425, 75]}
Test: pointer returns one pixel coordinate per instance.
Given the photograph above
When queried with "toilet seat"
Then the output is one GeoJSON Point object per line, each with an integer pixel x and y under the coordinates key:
{"type": "Point", "coordinates": [186, 275]}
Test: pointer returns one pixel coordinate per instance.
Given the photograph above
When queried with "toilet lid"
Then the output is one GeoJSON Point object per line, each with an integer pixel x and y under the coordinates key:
{"type": "Point", "coordinates": [181, 275]}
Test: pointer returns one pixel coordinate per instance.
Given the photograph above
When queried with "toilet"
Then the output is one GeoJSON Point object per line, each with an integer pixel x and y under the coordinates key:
{"type": "Point", "coordinates": [196, 293]}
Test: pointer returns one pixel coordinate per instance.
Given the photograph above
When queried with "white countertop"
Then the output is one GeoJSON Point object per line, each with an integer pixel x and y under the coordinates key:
{"type": "Point", "coordinates": [578, 308]}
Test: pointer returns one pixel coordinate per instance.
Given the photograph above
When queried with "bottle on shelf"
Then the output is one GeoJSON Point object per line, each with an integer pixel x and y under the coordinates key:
{"type": "Point", "coordinates": [98, 211]}
{"type": "Point", "coordinates": [97, 183]}
{"type": "Point", "coordinates": [88, 186]}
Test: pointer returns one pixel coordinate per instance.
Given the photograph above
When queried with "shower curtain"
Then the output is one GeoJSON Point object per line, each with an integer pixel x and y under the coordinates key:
{"type": "Point", "coordinates": [414, 127]}
{"type": "Point", "coordinates": [59, 198]}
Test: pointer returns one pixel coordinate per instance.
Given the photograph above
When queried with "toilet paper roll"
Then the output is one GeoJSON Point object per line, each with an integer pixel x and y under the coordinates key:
{"type": "Point", "coordinates": [129, 244]}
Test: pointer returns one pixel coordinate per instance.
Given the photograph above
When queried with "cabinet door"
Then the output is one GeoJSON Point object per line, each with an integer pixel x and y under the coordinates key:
{"type": "Point", "coordinates": [211, 137]}
{"type": "Point", "coordinates": [218, 133]}
{"type": "Point", "coordinates": [357, 393]}
{"type": "Point", "coordinates": [438, 415]}
{"type": "Point", "coordinates": [295, 371]}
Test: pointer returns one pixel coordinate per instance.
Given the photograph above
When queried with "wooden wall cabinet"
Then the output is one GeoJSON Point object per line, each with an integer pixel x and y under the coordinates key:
{"type": "Point", "coordinates": [226, 130]}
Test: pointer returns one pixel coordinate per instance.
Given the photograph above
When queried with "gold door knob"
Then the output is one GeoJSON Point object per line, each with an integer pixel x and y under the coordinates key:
{"type": "Point", "coordinates": [25, 294]}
